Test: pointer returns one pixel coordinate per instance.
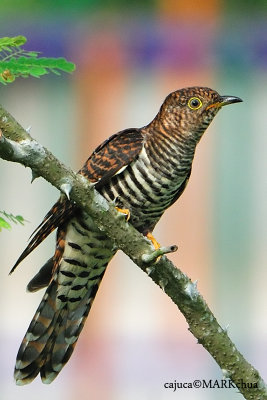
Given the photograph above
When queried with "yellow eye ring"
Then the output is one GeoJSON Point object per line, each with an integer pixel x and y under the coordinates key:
{"type": "Point", "coordinates": [194, 103]}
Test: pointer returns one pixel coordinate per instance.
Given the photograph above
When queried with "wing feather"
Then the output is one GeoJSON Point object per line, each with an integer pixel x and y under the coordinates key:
{"type": "Point", "coordinates": [62, 210]}
{"type": "Point", "coordinates": [111, 157]}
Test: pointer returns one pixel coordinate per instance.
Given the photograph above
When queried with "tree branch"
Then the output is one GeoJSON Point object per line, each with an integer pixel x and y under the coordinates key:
{"type": "Point", "coordinates": [18, 146]}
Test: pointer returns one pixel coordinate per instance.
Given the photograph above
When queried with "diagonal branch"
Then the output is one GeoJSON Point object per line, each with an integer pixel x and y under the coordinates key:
{"type": "Point", "coordinates": [18, 146]}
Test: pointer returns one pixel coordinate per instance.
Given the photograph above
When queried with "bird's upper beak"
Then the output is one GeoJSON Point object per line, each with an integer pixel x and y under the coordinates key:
{"type": "Point", "coordinates": [224, 101]}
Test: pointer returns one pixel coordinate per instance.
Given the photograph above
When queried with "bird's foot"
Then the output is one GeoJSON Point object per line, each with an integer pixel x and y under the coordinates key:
{"type": "Point", "coordinates": [159, 251]}
{"type": "Point", "coordinates": [124, 211]}
{"type": "Point", "coordinates": [153, 240]}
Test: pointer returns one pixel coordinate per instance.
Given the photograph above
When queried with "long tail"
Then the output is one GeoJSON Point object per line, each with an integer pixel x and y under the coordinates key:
{"type": "Point", "coordinates": [51, 336]}
{"type": "Point", "coordinates": [60, 317]}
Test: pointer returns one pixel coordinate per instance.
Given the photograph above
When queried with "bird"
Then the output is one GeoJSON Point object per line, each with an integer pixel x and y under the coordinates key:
{"type": "Point", "coordinates": [143, 171]}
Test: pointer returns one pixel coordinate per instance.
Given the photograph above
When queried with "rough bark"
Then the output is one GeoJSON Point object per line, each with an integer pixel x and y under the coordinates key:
{"type": "Point", "coordinates": [18, 146]}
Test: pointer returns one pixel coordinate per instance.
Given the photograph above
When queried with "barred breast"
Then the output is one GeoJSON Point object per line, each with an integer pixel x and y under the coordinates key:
{"type": "Point", "coordinates": [149, 185]}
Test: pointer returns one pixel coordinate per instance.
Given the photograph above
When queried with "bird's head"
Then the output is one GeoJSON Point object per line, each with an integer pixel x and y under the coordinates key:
{"type": "Point", "coordinates": [189, 111]}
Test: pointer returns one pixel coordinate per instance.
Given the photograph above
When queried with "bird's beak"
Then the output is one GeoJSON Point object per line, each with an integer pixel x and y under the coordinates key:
{"type": "Point", "coordinates": [224, 101]}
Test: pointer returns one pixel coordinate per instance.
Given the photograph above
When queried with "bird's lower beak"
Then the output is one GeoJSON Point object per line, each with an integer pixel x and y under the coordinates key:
{"type": "Point", "coordinates": [225, 100]}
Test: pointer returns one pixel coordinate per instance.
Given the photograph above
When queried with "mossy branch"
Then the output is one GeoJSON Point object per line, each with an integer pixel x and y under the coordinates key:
{"type": "Point", "coordinates": [18, 146]}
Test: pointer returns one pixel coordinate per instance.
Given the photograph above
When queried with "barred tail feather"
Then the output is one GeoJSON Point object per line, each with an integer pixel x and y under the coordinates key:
{"type": "Point", "coordinates": [51, 336]}
{"type": "Point", "coordinates": [75, 272]}
{"type": "Point", "coordinates": [32, 352]}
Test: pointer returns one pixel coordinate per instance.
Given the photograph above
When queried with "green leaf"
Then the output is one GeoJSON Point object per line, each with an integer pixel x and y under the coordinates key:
{"type": "Point", "coordinates": [20, 219]}
{"type": "Point", "coordinates": [16, 62]}
{"type": "Point", "coordinates": [4, 224]}
{"type": "Point", "coordinates": [32, 53]}
{"type": "Point", "coordinates": [7, 42]}
{"type": "Point", "coordinates": [17, 219]}
{"type": "Point", "coordinates": [24, 66]}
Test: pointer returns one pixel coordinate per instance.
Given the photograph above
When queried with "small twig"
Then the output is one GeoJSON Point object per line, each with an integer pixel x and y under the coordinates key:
{"type": "Point", "coordinates": [148, 258]}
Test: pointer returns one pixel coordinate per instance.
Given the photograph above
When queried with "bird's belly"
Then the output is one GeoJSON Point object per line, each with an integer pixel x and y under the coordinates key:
{"type": "Point", "coordinates": [146, 192]}
{"type": "Point", "coordinates": [86, 255]}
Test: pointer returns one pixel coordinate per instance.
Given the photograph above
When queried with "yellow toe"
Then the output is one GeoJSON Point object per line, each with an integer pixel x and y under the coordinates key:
{"type": "Point", "coordinates": [124, 211]}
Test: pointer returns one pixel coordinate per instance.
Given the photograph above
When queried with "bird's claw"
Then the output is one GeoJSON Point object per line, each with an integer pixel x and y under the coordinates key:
{"type": "Point", "coordinates": [124, 211]}
{"type": "Point", "coordinates": [153, 240]}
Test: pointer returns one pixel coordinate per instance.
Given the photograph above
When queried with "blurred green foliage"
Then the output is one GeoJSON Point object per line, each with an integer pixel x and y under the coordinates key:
{"type": "Point", "coordinates": [79, 6]}
{"type": "Point", "coordinates": [66, 6]}
{"type": "Point", "coordinates": [6, 219]}
{"type": "Point", "coordinates": [245, 6]}
{"type": "Point", "coordinates": [17, 62]}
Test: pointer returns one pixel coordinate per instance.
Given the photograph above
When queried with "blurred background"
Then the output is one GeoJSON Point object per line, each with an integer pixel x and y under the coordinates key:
{"type": "Point", "coordinates": [129, 56]}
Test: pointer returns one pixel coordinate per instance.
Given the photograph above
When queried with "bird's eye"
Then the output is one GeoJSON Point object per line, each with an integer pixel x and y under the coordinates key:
{"type": "Point", "coordinates": [194, 103]}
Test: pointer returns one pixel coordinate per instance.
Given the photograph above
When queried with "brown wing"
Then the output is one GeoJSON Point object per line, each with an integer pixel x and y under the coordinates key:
{"type": "Point", "coordinates": [112, 155]}
{"type": "Point", "coordinates": [63, 209]}
{"type": "Point", "coordinates": [108, 158]}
